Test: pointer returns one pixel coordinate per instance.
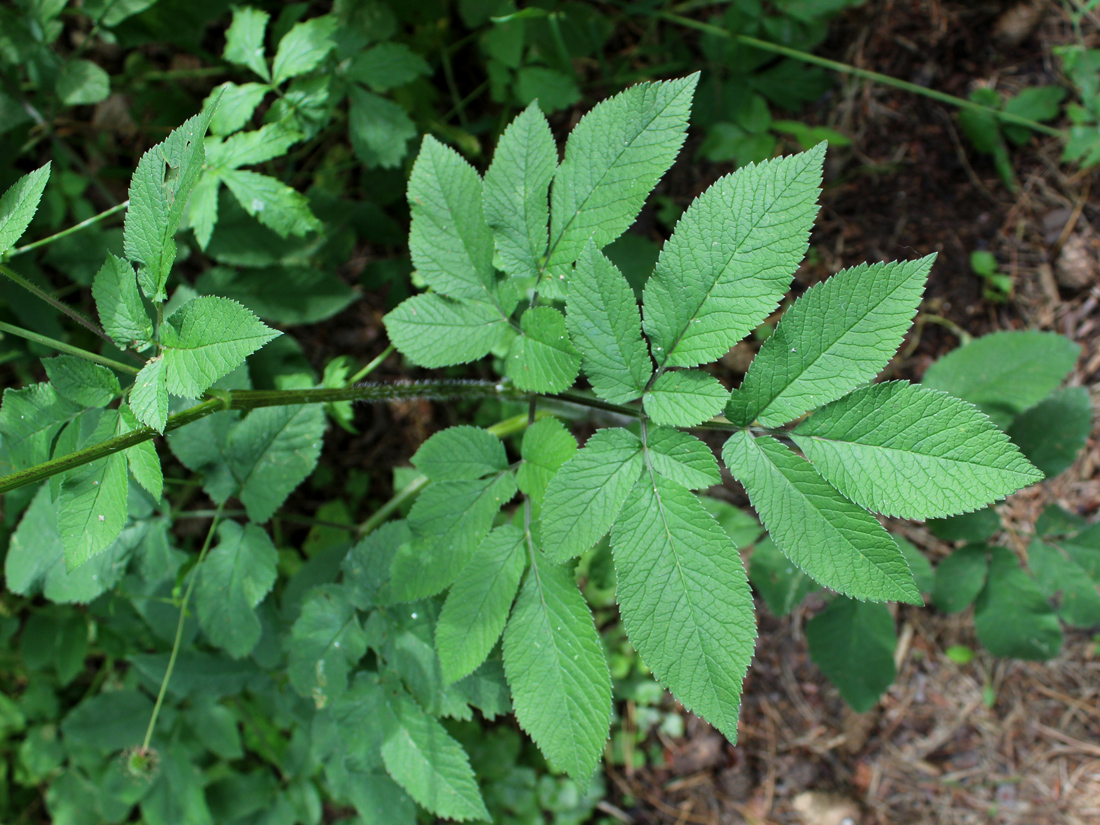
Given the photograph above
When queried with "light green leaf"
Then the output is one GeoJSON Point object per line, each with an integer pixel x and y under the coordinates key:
{"type": "Point", "coordinates": [157, 202]}
{"type": "Point", "coordinates": [244, 40]}
{"type": "Point", "coordinates": [233, 580]}
{"type": "Point", "coordinates": [477, 607]}
{"type": "Point", "coordinates": [119, 305]}
{"type": "Point", "coordinates": [202, 208]}
{"type": "Point", "coordinates": [451, 245]}
{"type": "Point", "coordinates": [30, 419]}
{"type": "Point", "coordinates": [142, 458]}
{"type": "Point", "coordinates": [547, 445]}
{"type": "Point", "coordinates": [584, 497]}
{"type": "Point", "coordinates": [516, 188]}
{"type": "Point", "coordinates": [82, 82]}
{"type": "Point", "coordinates": [303, 47]}
{"type": "Point", "coordinates": [367, 565]}
{"type": "Point", "coordinates": [149, 394]}
{"type": "Point", "coordinates": [380, 129]}
{"type": "Point", "coordinates": [82, 382]}
{"type": "Point", "coordinates": [684, 398]}
{"type": "Point", "coordinates": [1053, 432]}
{"type": "Point", "coordinates": [541, 358]}
{"type": "Point", "coordinates": [682, 458]}
{"type": "Point", "coordinates": [387, 66]}
{"type": "Point", "coordinates": [960, 578]}
{"type": "Point", "coordinates": [838, 335]}
{"type": "Point", "coordinates": [18, 205]}
{"type": "Point", "coordinates": [272, 451]}
{"type": "Point", "coordinates": [203, 447]}
{"type": "Point", "coordinates": [424, 760]}
{"type": "Point", "coordinates": [684, 599]}
{"type": "Point", "coordinates": [731, 259]}
{"type": "Point", "coordinates": [1004, 373]}
{"type": "Point", "coordinates": [613, 159]}
{"type": "Point", "coordinates": [434, 331]}
{"type": "Point", "coordinates": [1071, 573]}
{"type": "Point", "coordinates": [776, 578]}
{"type": "Point", "coordinates": [110, 13]}
{"type": "Point", "coordinates": [1011, 615]}
{"type": "Point", "coordinates": [271, 202]}
{"type": "Point", "coordinates": [461, 453]}
{"type": "Point", "coordinates": [853, 644]}
{"type": "Point", "coordinates": [838, 543]}
{"type": "Point", "coordinates": [207, 338]}
{"type": "Point", "coordinates": [324, 644]}
{"type": "Point", "coordinates": [910, 452]}
{"type": "Point", "coordinates": [605, 325]}
{"type": "Point", "coordinates": [448, 522]}
{"type": "Point", "coordinates": [237, 104]}
{"type": "Point", "coordinates": [561, 688]}
{"type": "Point", "coordinates": [250, 148]}
{"type": "Point", "coordinates": [91, 507]}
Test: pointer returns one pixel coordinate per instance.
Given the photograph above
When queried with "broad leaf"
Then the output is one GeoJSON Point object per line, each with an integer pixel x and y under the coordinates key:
{"type": "Point", "coordinates": [149, 394]}
{"type": "Point", "coordinates": [584, 497]}
{"type": "Point", "coordinates": [516, 189]}
{"type": "Point", "coordinates": [434, 331]}
{"type": "Point", "coordinates": [386, 66]}
{"type": "Point", "coordinates": [1004, 373]}
{"type": "Point", "coordinates": [541, 358]}
{"type": "Point", "coordinates": [30, 419]}
{"type": "Point", "coordinates": [605, 325]}
{"type": "Point", "coordinates": [324, 644]}
{"type": "Point", "coordinates": [91, 507]}
{"type": "Point", "coordinates": [853, 644]}
{"type": "Point", "coordinates": [556, 669]}
{"type": "Point", "coordinates": [82, 382]}
{"type": "Point", "coordinates": [458, 453]}
{"type": "Point", "coordinates": [233, 580]}
{"type": "Point", "coordinates": [380, 129]}
{"type": "Point", "coordinates": [960, 578]}
{"type": "Point", "coordinates": [906, 451]}
{"type": "Point", "coordinates": [303, 47]}
{"type": "Point", "coordinates": [244, 40]}
{"type": "Point", "coordinates": [119, 305]}
{"type": "Point", "coordinates": [682, 458]}
{"type": "Point", "coordinates": [613, 159]}
{"type": "Point", "coordinates": [477, 606]}
{"type": "Point", "coordinates": [271, 202]}
{"type": "Point", "coordinates": [82, 83]}
{"type": "Point", "coordinates": [367, 565]}
{"type": "Point", "coordinates": [684, 398]}
{"type": "Point", "coordinates": [18, 205]}
{"type": "Point", "coordinates": [977, 526]}
{"type": "Point", "coordinates": [1071, 572]}
{"type": "Point", "coordinates": [1011, 615]}
{"type": "Point", "coordinates": [250, 148]}
{"type": "Point", "coordinates": [731, 259]}
{"type": "Point", "coordinates": [776, 578]}
{"type": "Point", "coordinates": [838, 335]}
{"type": "Point", "coordinates": [838, 543]}
{"type": "Point", "coordinates": [684, 599]}
{"type": "Point", "coordinates": [237, 103]}
{"type": "Point", "coordinates": [547, 445]}
{"type": "Point", "coordinates": [142, 458]}
{"type": "Point", "coordinates": [1053, 432]}
{"type": "Point", "coordinates": [207, 338]}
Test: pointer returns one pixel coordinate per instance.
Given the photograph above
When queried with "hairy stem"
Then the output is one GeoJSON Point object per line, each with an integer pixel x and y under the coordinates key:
{"type": "Point", "coordinates": [68, 349]}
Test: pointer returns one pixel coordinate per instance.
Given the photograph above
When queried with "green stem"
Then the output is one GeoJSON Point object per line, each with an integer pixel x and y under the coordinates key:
{"type": "Point", "coordinates": [372, 366]}
{"type": "Point", "coordinates": [559, 43]}
{"type": "Point", "coordinates": [68, 349]}
{"type": "Point", "coordinates": [72, 229]}
{"type": "Point", "coordinates": [60, 306]}
{"type": "Point", "coordinates": [866, 74]}
{"type": "Point", "coordinates": [456, 98]}
{"type": "Point", "coordinates": [179, 632]}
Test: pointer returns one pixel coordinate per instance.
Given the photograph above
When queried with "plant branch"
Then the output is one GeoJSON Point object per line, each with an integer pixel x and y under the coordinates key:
{"type": "Point", "coordinates": [74, 228]}
{"type": "Point", "coordinates": [68, 349]}
{"type": "Point", "coordinates": [60, 306]}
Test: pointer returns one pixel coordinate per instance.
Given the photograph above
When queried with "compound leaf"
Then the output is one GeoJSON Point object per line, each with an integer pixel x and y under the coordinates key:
{"type": "Point", "coordinates": [434, 331]}
{"type": "Point", "coordinates": [424, 760]}
{"type": "Point", "coordinates": [233, 580]}
{"type": "Point", "coordinates": [605, 325]}
{"type": "Point", "coordinates": [682, 458]}
{"type": "Point", "coordinates": [271, 202]}
{"type": "Point", "coordinates": [547, 445]}
{"type": "Point", "coordinates": [684, 599]}
{"type": "Point", "coordinates": [838, 543]}
{"type": "Point", "coordinates": [613, 159]}
{"type": "Point", "coordinates": [731, 259]}
{"type": "Point", "coordinates": [477, 606]}
{"type": "Point", "coordinates": [250, 148]}
{"type": "Point", "coordinates": [207, 338]}
{"type": "Point", "coordinates": [303, 47]}
{"type": "Point", "coordinates": [244, 40]}
{"type": "Point", "coordinates": [838, 335]}
{"type": "Point", "coordinates": [458, 453]}
{"type": "Point", "coordinates": [853, 643]}
{"type": "Point", "coordinates": [451, 245]}
{"type": "Point", "coordinates": [1004, 373]}
{"type": "Point", "coordinates": [684, 398]}
{"type": "Point", "coordinates": [324, 644]}
{"type": "Point", "coordinates": [910, 452]}
{"type": "Point", "coordinates": [18, 205]}
{"type": "Point", "coordinates": [541, 358]}
{"type": "Point", "coordinates": [1011, 615]}
{"type": "Point", "coordinates": [119, 305]}
{"type": "Point", "coordinates": [515, 195]}
{"type": "Point", "coordinates": [237, 103]}
{"type": "Point", "coordinates": [584, 497]}
{"type": "Point", "coordinates": [82, 382]}
{"type": "Point", "coordinates": [149, 394]}
{"type": "Point", "coordinates": [561, 687]}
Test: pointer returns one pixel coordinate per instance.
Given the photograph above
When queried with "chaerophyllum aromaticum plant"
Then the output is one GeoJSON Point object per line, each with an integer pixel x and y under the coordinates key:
{"type": "Point", "coordinates": [401, 629]}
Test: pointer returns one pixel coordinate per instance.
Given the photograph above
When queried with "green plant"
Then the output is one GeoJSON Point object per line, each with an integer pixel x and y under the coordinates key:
{"type": "Point", "coordinates": [398, 621]}
{"type": "Point", "coordinates": [998, 286]}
